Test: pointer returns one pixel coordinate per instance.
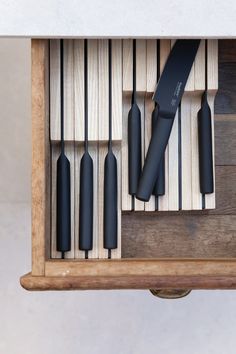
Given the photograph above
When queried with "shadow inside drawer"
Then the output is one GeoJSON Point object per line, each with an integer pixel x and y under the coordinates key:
{"type": "Point", "coordinates": [193, 234]}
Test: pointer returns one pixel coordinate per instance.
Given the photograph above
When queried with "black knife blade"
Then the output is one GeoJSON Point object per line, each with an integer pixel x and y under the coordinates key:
{"type": "Point", "coordinates": [169, 91]}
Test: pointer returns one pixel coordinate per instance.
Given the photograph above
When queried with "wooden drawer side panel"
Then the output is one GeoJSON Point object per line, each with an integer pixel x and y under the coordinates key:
{"type": "Point", "coordinates": [40, 156]}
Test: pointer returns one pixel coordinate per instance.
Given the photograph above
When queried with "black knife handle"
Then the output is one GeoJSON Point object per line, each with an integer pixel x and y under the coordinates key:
{"type": "Point", "coordinates": [157, 146]}
{"type": "Point", "coordinates": [205, 147]}
{"type": "Point", "coordinates": [63, 221]}
{"type": "Point", "coordinates": [110, 202]}
{"type": "Point", "coordinates": [86, 203]}
{"type": "Point", "coordinates": [134, 148]}
{"type": "Point", "coordinates": [159, 187]}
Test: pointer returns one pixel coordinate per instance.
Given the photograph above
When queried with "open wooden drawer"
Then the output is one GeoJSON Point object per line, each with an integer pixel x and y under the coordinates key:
{"type": "Point", "coordinates": [160, 250]}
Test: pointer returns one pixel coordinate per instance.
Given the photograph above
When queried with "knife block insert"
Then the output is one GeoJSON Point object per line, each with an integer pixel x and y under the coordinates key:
{"type": "Point", "coordinates": [98, 133]}
{"type": "Point", "coordinates": [182, 188]}
{"type": "Point", "coordinates": [171, 248]}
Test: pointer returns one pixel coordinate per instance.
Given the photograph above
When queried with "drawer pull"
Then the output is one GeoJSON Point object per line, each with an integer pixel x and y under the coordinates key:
{"type": "Point", "coordinates": [170, 293]}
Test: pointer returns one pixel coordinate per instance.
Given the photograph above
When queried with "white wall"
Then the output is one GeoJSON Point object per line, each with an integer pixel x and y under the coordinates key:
{"type": "Point", "coordinates": [15, 138]}
{"type": "Point", "coordinates": [124, 322]}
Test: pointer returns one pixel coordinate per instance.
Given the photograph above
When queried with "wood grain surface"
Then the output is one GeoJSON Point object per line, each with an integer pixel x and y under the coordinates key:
{"type": "Point", "coordinates": [40, 156]}
{"type": "Point", "coordinates": [227, 51]}
{"type": "Point", "coordinates": [141, 267]}
{"type": "Point", "coordinates": [203, 242]}
{"type": "Point", "coordinates": [144, 237]}
{"type": "Point", "coordinates": [193, 236]}
{"type": "Point", "coordinates": [210, 233]}
{"type": "Point", "coordinates": [30, 282]}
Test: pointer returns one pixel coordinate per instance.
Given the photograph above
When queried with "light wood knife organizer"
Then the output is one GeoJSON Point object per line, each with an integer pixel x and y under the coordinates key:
{"type": "Point", "coordinates": [164, 250]}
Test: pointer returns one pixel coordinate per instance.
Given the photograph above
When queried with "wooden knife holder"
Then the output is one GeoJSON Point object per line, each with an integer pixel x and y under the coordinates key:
{"type": "Point", "coordinates": [159, 250]}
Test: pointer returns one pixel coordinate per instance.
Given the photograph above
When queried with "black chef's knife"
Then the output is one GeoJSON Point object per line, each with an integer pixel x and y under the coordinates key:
{"type": "Point", "coordinates": [169, 91]}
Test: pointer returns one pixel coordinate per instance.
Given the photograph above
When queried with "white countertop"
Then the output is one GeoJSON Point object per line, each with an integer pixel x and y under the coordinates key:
{"type": "Point", "coordinates": [118, 18]}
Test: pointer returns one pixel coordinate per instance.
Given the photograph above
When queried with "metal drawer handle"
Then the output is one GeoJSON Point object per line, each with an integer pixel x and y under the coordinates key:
{"type": "Point", "coordinates": [170, 293]}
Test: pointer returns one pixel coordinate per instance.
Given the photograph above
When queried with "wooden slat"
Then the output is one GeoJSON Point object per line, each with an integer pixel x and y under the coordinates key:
{"type": "Point", "coordinates": [116, 253]}
{"type": "Point", "coordinates": [186, 137]}
{"type": "Point", "coordinates": [141, 267]}
{"type": "Point", "coordinates": [126, 198]}
{"type": "Point", "coordinates": [117, 89]}
{"type": "Point", "coordinates": [141, 85]}
{"type": "Point", "coordinates": [212, 86]}
{"type": "Point", "coordinates": [30, 282]}
{"type": "Point", "coordinates": [55, 114]}
{"type": "Point", "coordinates": [196, 194]}
{"type": "Point", "coordinates": [93, 131]}
{"type": "Point", "coordinates": [103, 87]}
{"type": "Point", "coordinates": [70, 153]}
{"type": "Point", "coordinates": [178, 236]}
{"type": "Point", "coordinates": [186, 154]}
{"type": "Point", "coordinates": [191, 80]}
{"type": "Point", "coordinates": [165, 46]}
{"type": "Point", "coordinates": [79, 149]}
{"type": "Point", "coordinates": [163, 201]}
{"type": "Point", "coordinates": [92, 89]}
{"type": "Point", "coordinates": [173, 162]}
{"type": "Point", "coordinates": [149, 106]}
{"type": "Point", "coordinates": [151, 45]}
{"type": "Point", "coordinates": [93, 150]}
{"type": "Point", "coordinates": [212, 65]}
{"type": "Point", "coordinates": [199, 68]}
{"type": "Point", "coordinates": [102, 253]}
{"type": "Point", "coordinates": [69, 90]}
{"type": "Point", "coordinates": [40, 155]}
{"type": "Point", "coordinates": [152, 64]}
{"type": "Point", "coordinates": [173, 168]}
{"type": "Point", "coordinates": [138, 204]}
{"type": "Point", "coordinates": [55, 90]}
{"type": "Point", "coordinates": [55, 152]}
{"type": "Point", "coordinates": [210, 198]}
{"type": "Point", "coordinates": [103, 121]}
{"type": "Point", "coordinates": [127, 65]}
{"type": "Point", "coordinates": [199, 86]}
{"type": "Point", "coordinates": [141, 65]}
{"type": "Point", "coordinates": [79, 89]}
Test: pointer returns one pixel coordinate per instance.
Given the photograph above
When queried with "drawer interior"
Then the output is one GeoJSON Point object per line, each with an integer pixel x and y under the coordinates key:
{"type": "Point", "coordinates": [192, 234]}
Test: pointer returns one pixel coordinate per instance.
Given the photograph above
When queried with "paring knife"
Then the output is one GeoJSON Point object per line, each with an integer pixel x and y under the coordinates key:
{"type": "Point", "coordinates": [169, 91]}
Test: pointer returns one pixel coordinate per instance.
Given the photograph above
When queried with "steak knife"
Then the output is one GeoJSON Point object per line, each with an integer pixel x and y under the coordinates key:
{"type": "Point", "coordinates": [169, 91]}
